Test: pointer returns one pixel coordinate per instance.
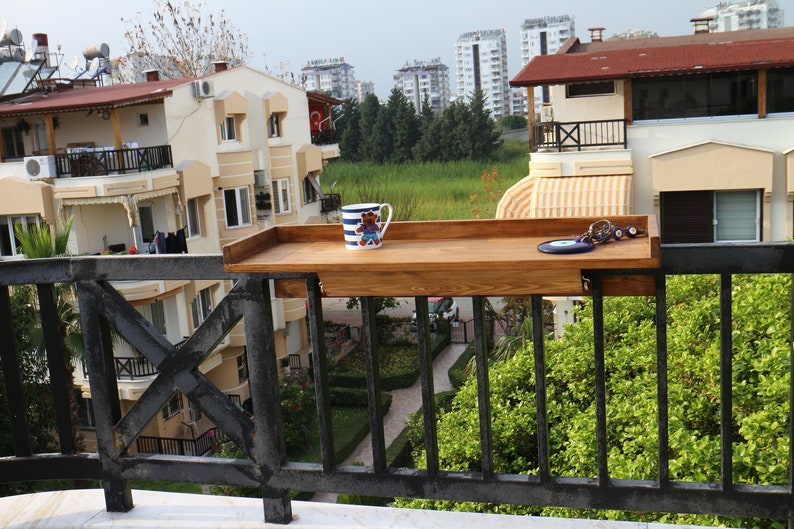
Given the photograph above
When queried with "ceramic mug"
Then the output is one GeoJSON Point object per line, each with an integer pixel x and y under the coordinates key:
{"type": "Point", "coordinates": [364, 229]}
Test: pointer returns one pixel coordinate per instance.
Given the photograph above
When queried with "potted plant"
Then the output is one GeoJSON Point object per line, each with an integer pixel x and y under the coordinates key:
{"type": "Point", "coordinates": [23, 125]}
{"type": "Point", "coordinates": [263, 201]}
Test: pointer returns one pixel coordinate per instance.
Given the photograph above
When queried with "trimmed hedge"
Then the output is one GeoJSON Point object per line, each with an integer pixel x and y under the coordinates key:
{"type": "Point", "coordinates": [457, 375]}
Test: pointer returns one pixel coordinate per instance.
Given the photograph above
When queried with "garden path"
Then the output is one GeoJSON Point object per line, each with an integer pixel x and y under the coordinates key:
{"type": "Point", "coordinates": [404, 402]}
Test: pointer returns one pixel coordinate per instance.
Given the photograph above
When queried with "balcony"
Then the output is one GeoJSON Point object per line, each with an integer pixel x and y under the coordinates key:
{"type": "Point", "coordinates": [578, 135]}
{"type": "Point", "coordinates": [267, 467]}
{"type": "Point", "coordinates": [86, 161]}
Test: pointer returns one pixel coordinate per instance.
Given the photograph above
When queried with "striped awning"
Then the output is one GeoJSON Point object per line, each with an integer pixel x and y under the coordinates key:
{"type": "Point", "coordinates": [567, 196]}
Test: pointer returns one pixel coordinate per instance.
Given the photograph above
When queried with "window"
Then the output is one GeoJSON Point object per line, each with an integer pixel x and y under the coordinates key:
{"type": "Point", "coordinates": [274, 126]}
{"type": "Point", "coordinates": [201, 307]}
{"type": "Point", "coordinates": [238, 207]}
{"type": "Point", "coordinates": [145, 227]}
{"type": "Point", "coordinates": [193, 218]}
{"type": "Point", "coordinates": [87, 421]}
{"type": "Point", "coordinates": [309, 194]}
{"type": "Point", "coordinates": [9, 244]}
{"type": "Point", "coordinates": [143, 120]}
{"type": "Point", "coordinates": [228, 131]}
{"type": "Point", "coordinates": [13, 147]}
{"type": "Point", "coordinates": [589, 89]}
{"type": "Point", "coordinates": [711, 216]}
{"type": "Point", "coordinates": [242, 366]}
{"type": "Point", "coordinates": [780, 90]}
{"type": "Point", "coordinates": [154, 314]}
{"type": "Point", "coordinates": [40, 143]}
{"type": "Point", "coordinates": [173, 406]}
{"type": "Point", "coordinates": [695, 95]}
{"type": "Point", "coordinates": [281, 193]}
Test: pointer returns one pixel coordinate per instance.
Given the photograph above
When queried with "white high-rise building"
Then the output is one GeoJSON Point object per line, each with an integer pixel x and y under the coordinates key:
{"type": "Point", "coordinates": [425, 77]}
{"type": "Point", "coordinates": [363, 89]}
{"type": "Point", "coordinates": [749, 14]}
{"type": "Point", "coordinates": [544, 36]}
{"type": "Point", "coordinates": [333, 77]}
{"type": "Point", "coordinates": [481, 62]}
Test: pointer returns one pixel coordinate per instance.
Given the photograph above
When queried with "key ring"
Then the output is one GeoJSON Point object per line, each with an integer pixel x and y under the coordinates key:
{"type": "Point", "coordinates": [603, 230]}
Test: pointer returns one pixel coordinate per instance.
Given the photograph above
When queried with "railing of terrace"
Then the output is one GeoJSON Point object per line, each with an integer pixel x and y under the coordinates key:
{"type": "Point", "coordinates": [101, 162]}
{"type": "Point", "coordinates": [579, 134]}
{"type": "Point", "coordinates": [267, 465]}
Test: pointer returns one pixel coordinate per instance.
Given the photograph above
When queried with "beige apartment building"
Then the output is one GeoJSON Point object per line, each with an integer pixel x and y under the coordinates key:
{"type": "Point", "coordinates": [167, 166]}
{"type": "Point", "coordinates": [695, 129]}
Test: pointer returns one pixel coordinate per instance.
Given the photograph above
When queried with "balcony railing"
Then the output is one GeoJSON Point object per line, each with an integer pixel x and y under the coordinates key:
{"type": "Point", "coordinates": [324, 137]}
{"type": "Point", "coordinates": [130, 367]}
{"type": "Point", "coordinates": [261, 436]}
{"type": "Point", "coordinates": [199, 446]}
{"type": "Point", "coordinates": [101, 162]}
{"type": "Point", "coordinates": [579, 134]}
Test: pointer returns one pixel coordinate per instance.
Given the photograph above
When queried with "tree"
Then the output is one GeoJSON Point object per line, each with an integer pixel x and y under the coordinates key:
{"type": "Point", "coordinates": [761, 365]}
{"type": "Point", "coordinates": [347, 121]}
{"type": "Point", "coordinates": [483, 133]}
{"type": "Point", "coordinates": [182, 40]}
{"type": "Point", "coordinates": [405, 125]}
{"type": "Point", "coordinates": [368, 116]}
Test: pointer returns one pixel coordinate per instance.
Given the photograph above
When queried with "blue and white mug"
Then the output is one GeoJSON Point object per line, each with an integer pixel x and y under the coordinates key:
{"type": "Point", "coordinates": [364, 229]}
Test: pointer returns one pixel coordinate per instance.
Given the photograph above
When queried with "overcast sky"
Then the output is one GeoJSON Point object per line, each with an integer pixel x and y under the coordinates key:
{"type": "Point", "coordinates": [376, 38]}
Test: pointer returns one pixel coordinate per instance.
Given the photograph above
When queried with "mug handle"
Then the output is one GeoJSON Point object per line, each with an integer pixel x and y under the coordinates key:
{"type": "Point", "coordinates": [385, 225]}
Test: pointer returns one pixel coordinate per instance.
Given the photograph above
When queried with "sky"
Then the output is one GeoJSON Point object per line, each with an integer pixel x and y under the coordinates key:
{"type": "Point", "coordinates": [376, 38]}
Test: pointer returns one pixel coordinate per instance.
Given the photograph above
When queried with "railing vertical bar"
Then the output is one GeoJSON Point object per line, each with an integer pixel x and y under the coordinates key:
{"type": "Point", "coordinates": [60, 379]}
{"type": "Point", "coordinates": [428, 389]}
{"type": "Point", "coordinates": [726, 381]}
{"type": "Point", "coordinates": [483, 387]}
{"type": "Point", "coordinates": [373, 385]}
{"type": "Point", "coordinates": [600, 380]}
{"type": "Point", "coordinates": [662, 390]}
{"type": "Point", "coordinates": [320, 366]}
{"type": "Point", "coordinates": [104, 394]}
{"type": "Point", "coordinates": [13, 378]}
{"type": "Point", "coordinates": [269, 446]}
{"type": "Point", "coordinates": [540, 387]}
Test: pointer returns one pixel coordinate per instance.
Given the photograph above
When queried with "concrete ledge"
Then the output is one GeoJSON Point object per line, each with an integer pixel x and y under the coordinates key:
{"type": "Point", "coordinates": [85, 509]}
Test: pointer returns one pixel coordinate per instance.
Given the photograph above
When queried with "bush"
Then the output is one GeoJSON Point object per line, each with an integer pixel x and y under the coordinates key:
{"type": "Point", "coordinates": [457, 371]}
{"type": "Point", "coordinates": [298, 410]}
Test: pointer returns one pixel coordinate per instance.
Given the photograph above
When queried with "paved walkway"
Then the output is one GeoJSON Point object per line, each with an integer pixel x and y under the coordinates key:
{"type": "Point", "coordinates": [404, 402]}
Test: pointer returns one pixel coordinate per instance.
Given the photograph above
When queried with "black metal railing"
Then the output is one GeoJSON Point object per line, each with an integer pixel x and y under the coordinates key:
{"type": "Point", "coordinates": [324, 137]}
{"type": "Point", "coordinates": [331, 202]}
{"type": "Point", "coordinates": [100, 162]}
{"type": "Point", "coordinates": [201, 445]}
{"type": "Point", "coordinates": [579, 134]}
{"type": "Point", "coordinates": [267, 466]}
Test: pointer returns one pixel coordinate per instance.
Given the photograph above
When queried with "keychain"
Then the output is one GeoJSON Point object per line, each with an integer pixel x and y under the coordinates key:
{"type": "Point", "coordinates": [599, 232]}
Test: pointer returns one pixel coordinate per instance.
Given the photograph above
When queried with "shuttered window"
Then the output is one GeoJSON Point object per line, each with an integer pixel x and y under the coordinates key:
{"type": "Point", "coordinates": [710, 216]}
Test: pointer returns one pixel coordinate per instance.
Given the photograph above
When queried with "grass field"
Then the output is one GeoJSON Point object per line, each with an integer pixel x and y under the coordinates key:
{"type": "Point", "coordinates": [430, 191]}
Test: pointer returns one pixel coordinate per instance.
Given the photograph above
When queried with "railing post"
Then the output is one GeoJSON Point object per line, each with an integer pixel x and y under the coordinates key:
{"type": "Point", "coordinates": [13, 378]}
{"type": "Point", "coordinates": [105, 394]}
{"type": "Point", "coordinates": [373, 384]}
{"type": "Point", "coordinates": [269, 446]}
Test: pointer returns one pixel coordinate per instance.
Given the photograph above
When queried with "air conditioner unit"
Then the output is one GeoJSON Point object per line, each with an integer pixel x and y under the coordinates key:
{"type": "Point", "coordinates": [37, 167]}
{"type": "Point", "coordinates": [203, 88]}
{"type": "Point", "coordinates": [188, 415]}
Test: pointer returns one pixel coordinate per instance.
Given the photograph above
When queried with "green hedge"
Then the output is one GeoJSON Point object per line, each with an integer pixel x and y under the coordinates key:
{"type": "Point", "coordinates": [456, 373]}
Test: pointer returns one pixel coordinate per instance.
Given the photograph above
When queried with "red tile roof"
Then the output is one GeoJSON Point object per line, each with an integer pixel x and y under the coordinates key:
{"type": "Point", "coordinates": [73, 99]}
{"type": "Point", "coordinates": [739, 50]}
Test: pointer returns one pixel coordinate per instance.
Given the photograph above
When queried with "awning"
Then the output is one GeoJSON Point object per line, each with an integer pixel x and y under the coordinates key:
{"type": "Point", "coordinates": [316, 185]}
{"type": "Point", "coordinates": [568, 196]}
{"type": "Point", "coordinates": [129, 202]}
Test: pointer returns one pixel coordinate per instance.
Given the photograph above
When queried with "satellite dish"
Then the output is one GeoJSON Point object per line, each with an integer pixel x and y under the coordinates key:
{"type": "Point", "coordinates": [93, 67]}
{"type": "Point", "coordinates": [73, 63]}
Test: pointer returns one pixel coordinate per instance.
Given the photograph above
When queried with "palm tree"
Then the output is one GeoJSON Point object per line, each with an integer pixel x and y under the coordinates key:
{"type": "Point", "coordinates": [37, 242]}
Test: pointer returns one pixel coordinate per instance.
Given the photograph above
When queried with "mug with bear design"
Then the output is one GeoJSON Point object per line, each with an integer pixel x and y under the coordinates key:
{"type": "Point", "coordinates": [363, 226]}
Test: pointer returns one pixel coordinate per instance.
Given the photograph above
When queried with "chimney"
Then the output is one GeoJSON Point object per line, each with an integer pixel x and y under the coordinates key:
{"type": "Point", "coordinates": [220, 66]}
{"type": "Point", "coordinates": [152, 75]}
{"type": "Point", "coordinates": [596, 34]}
{"type": "Point", "coordinates": [701, 24]}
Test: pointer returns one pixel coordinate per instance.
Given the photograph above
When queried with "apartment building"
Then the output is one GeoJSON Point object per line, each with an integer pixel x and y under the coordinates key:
{"type": "Point", "coordinates": [481, 63]}
{"type": "Point", "coordinates": [748, 14]}
{"type": "Point", "coordinates": [542, 36]}
{"type": "Point", "coordinates": [422, 79]}
{"type": "Point", "coordinates": [166, 166]}
{"type": "Point", "coordinates": [332, 76]}
{"type": "Point", "coordinates": [363, 89]}
{"type": "Point", "coordinates": [694, 128]}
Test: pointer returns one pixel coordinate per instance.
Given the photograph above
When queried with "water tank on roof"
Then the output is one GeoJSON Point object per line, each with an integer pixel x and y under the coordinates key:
{"type": "Point", "coordinates": [98, 51]}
